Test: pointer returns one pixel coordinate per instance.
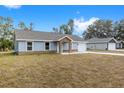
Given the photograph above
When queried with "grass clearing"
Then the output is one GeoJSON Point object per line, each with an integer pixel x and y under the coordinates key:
{"type": "Point", "coordinates": [53, 70]}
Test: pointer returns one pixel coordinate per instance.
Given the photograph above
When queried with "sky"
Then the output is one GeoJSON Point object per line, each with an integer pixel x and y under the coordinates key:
{"type": "Point", "coordinates": [46, 17]}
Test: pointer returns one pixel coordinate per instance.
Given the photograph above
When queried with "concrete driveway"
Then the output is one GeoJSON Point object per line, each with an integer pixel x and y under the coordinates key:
{"type": "Point", "coordinates": [119, 50]}
{"type": "Point", "coordinates": [105, 53]}
{"type": "Point", "coordinates": [90, 52]}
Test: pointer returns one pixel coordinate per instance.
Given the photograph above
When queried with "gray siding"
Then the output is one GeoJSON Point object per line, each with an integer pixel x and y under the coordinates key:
{"type": "Point", "coordinates": [38, 46]}
{"type": "Point", "coordinates": [119, 45]}
{"type": "Point", "coordinates": [53, 46]}
{"type": "Point", "coordinates": [82, 47]}
{"type": "Point", "coordinates": [111, 46]}
{"type": "Point", "coordinates": [100, 46]}
{"type": "Point", "coordinates": [22, 46]}
{"type": "Point", "coordinates": [74, 45]}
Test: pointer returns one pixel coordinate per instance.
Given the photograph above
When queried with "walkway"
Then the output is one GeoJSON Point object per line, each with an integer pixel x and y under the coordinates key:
{"type": "Point", "coordinates": [104, 53]}
{"type": "Point", "coordinates": [90, 52]}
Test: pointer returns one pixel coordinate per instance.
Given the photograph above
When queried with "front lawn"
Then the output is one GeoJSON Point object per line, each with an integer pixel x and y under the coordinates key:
{"type": "Point", "coordinates": [52, 70]}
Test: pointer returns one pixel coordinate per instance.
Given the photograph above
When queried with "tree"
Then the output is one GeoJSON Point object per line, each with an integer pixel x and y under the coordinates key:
{"type": "Point", "coordinates": [6, 32]}
{"type": "Point", "coordinates": [22, 25]}
{"type": "Point", "coordinates": [70, 26]}
{"type": "Point", "coordinates": [6, 27]}
{"type": "Point", "coordinates": [55, 30]}
{"type": "Point", "coordinates": [99, 29]}
{"type": "Point", "coordinates": [65, 28]}
{"type": "Point", "coordinates": [31, 26]}
{"type": "Point", "coordinates": [119, 29]}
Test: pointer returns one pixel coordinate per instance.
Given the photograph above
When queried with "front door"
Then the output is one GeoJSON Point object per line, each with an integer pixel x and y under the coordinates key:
{"type": "Point", "coordinates": [65, 47]}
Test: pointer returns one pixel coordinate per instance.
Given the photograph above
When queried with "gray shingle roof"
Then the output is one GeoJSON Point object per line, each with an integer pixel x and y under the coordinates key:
{"type": "Point", "coordinates": [38, 35]}
{"type": "Point", "coordinates": [100, 40]}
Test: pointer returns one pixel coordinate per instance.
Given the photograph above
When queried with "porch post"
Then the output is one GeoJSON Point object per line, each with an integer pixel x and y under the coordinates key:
{"type": "Point", "coordinates": [60, 47]}
{"type": "Point", "coordinates": [57, 47]}
{"type": "Point", "coordinates": [70, 46]}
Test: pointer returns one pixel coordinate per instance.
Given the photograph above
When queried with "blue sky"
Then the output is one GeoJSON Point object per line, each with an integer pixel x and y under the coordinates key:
{"type": "Point", "coordinates": [47, 17]}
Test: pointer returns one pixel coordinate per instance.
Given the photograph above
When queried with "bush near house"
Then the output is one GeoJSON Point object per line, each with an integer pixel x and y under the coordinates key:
{"type": "Point", "coordinates": [6, 45]}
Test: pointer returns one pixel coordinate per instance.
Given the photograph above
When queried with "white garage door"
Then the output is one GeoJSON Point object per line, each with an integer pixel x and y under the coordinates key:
{"type": "Point", "coordinates": [111, 46]}
{"type": "Point", "coordinates": [81, 47]}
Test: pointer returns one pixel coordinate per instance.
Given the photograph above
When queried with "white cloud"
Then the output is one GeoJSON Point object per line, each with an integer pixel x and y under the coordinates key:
{"type": "Point", "coordinates": [13, 6]}
{"type": "Point", "coordinates": [80, 25]}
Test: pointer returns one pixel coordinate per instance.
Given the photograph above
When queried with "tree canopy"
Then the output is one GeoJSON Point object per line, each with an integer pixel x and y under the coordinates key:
{"type": "Point", "coordinates": [7, 32]}
{"type": "Point", "coordinates": [119, 29]}
{"type": "Point", "coordinates": [23, 26]}
{"type": "Point", "coordinates": [104, 29]}
{"type": "Point", "coordinates": [65, 28]}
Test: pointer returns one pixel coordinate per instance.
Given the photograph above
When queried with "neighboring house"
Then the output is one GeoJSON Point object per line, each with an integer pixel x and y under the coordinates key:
{"type": "Point", "coordinates": [102, 44]}
{"type": "Point", "coordinates": [34, 41]}
{"type": "Point", "coordinates": [120, 44]}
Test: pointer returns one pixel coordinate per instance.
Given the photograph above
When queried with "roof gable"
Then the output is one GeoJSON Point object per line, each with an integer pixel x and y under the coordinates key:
{"type": "Point", "coordinates": [65, 37]}
{"type": "Point", "coordinates": [112, 41]}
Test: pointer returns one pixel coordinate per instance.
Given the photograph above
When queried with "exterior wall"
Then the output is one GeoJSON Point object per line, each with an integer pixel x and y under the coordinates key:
{"type": "Point", "coordinates": [119, 45]}
{"type": "Point", "coordinates": [74, 45]}
{"type": "Point", "coordinates": [82, 47]}
{"type": "Point", "coordinates": [38, 46]}
{"type": "Point", "coordinates": [22, 46]}
{"type": "Point", "coordinates": [53, 46]}
{"type": "Point", "coordinates": [111, 46]}
{"type": "Point", "coordinates": [99, 46]}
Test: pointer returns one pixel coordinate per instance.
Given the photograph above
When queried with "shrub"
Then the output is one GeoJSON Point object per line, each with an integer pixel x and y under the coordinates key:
{"type": "Point", "coordinates": [6, 44]}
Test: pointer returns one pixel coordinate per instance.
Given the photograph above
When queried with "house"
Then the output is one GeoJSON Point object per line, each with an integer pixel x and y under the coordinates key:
{"type": "Point", "coordinates": [42, 42]}
{"type": "Point", "coordinates": [102, 44]}
{"type": "Point", "coordinates": [120, 44]}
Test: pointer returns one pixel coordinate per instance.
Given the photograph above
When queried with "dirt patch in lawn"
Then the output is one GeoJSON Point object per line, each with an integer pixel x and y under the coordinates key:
{"type": "Point", "coordinates": [52, 70]}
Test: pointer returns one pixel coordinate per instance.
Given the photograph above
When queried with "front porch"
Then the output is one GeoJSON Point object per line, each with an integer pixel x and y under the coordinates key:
{"type": "Point", "coordinates": [64, 45]}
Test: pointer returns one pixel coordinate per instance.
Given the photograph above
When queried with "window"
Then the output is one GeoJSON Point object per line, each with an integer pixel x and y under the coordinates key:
{"type": "Point", "coordinates": [47, 45]}
{"type": "Point", "coordinates": [29, 45]}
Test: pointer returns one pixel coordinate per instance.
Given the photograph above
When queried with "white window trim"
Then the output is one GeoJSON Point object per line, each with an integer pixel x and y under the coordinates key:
{"type": "Point", "coordinates": [27, 46]}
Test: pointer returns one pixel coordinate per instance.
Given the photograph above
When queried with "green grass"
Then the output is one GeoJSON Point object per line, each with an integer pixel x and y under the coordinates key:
{"type": "Point", "coordinates": [53, 70]}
